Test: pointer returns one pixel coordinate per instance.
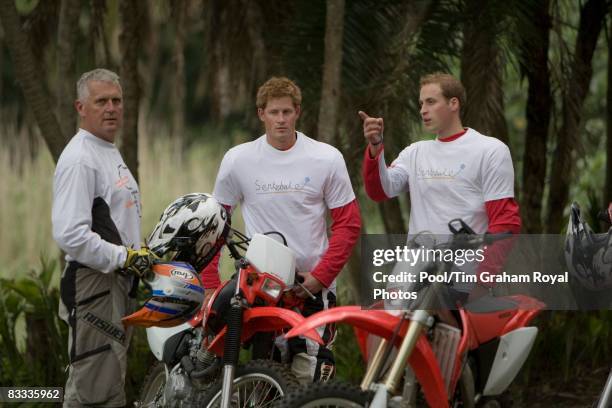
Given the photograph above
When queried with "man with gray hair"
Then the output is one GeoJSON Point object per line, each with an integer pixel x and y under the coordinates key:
{"type": "Point", "coordinates": [96, 222]}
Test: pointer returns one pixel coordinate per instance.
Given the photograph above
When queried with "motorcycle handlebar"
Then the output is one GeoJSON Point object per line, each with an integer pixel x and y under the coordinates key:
{"type": "Point", "coordinates": [604, 216]}
{"type": "Point", "coordinates": [464, 241]}
{"type": "Point", "coordinates": [464, 236]}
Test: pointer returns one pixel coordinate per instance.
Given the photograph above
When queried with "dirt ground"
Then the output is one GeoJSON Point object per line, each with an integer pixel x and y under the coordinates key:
{"type": "Point", "coordinates": [582, 391]}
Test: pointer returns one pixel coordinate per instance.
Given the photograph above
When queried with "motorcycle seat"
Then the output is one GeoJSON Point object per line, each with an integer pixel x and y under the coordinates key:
{"type": "Point", "coordinates": [490, 304]}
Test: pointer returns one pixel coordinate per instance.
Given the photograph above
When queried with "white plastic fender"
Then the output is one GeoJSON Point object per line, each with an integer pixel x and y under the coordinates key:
{"type": "Point", "coordinates": [514, 347]}
{"type": "Point", "coordinates": [157, 337]}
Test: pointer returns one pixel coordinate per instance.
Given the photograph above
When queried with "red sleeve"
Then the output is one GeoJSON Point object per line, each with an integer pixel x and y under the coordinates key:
{"type": "Point", "coordinates": [371, 176]}
{"type": "Point", "coordinates": [503, 216]}
{"type": "Point", "coordinates": [345, 229]}
{"type": "Point", "coordinates": [210, 273]}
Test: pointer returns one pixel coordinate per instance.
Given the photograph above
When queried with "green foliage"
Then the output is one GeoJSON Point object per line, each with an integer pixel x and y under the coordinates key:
{"type": "Point", "coordinates": [42, 356]}
{"type": "Point", "coordinates": [350, 366]}
{"type": "Point", "coordinates": [37, 353]}
{"type": "Point", "coordinates": [26, 6]}
{"type": "Point", "coordinates": [349, 361]}
{"type": "Point", "coordinates": [572, 343]}
{"type": "Point", "coordinates": [11, 307]}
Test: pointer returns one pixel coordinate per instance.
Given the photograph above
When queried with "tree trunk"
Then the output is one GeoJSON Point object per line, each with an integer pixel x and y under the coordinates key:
{"type": "Point", "coordinates": [353, 278]}
{"type": "Point", "coordinates": [391, 214]}
{"type": "Point", "coordinates": [177, 95]}
{"type": "Point", "coordinates": [481, 70]}
{"type": "Point", "coordinates": [253, 18]}
{"type": "Point", "coordinates": [66, 69]}
{"type": "Point", "coordinates": [129, 39]}
{"type": "Point", "coordinates": [152, 56]}
{"type": "Point", "coordinates": [608, 189]}
{"type": "Point", "coordinates": [332, 70]}
{"type": "Point", "coordinates": [217, 15]}
{"type": "Point", "coordinates": [538, 112]}
{"type": "Point", "coordinates": [259, 69]}
{"type": "Point", "coordinates": [592, 16]}
{"type": "Point", "coordinates": [29, 76]}
{"type": "Point", "coordinates": [1, 61]}
{"type": "Point", "coordinates": [99, 42]}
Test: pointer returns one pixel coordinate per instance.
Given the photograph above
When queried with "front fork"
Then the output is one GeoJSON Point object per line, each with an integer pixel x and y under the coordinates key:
{"type": "Point", "coordinates": [231, 350]}
{"type": "Point", "coordinates": [606, 396]}
{"type": "Point", "coordinates": [420, 320]}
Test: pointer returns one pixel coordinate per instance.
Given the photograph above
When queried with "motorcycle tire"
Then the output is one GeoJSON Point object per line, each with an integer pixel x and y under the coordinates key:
{"type": "Point", "coordinates": [152, 391]}
{"type": "Point", "coordinates": [499, 401]}
{"type": "Point", "coordinates": [256, 383]}
{"type": "Point", "coordinates": [327, 394]}
{"type": "Point", "coordinates": [467, 382]}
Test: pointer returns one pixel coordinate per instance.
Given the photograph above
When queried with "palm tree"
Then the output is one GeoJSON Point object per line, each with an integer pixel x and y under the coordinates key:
{"type": "Point", "coordinates": [132, 12]}
{"type": "Point", "coordinates": [29, 75]}
{"type": "Point", "coordinates": [482, 60]}
{"type": "Point", "coordinates": [67, 31]}
{"type": "Point", "coordinates": [592, 16]}
{"type": "Point", "coordinates": [332, 69]}
{"type": "Point", "coordinates": [534, 47]}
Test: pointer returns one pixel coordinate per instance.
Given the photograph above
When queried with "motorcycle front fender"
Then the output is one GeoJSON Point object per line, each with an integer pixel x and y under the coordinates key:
{"type": "Point", "coordinates": [264, 319]}
{"type": "Point", "coordinates": [377, 322]}
{"type": "Point", "coordinates": [381, 323]}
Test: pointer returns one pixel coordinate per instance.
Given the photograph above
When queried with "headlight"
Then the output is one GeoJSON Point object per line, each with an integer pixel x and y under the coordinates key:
{"type": "Point", "coordinates": [271, 288]}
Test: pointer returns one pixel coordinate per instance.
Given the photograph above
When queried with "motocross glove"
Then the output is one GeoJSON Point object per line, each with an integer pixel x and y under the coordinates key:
{"type": "Point", "coordinates": [139, 261]}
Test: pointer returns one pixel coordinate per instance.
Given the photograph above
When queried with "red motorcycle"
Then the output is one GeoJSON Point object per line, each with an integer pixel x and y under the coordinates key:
{"type": "Point", "coordinates": [441, 364]}
{"type": "Point", "coordinates": [198, 360]}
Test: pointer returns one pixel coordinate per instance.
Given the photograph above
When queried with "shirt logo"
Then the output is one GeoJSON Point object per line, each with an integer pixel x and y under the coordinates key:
{"type": "Point", "coordinates": [124, 181]}
{"type": "Point", "coordinates": [439, 173]}
{"type": "Point", "coordinates": [280, 186]}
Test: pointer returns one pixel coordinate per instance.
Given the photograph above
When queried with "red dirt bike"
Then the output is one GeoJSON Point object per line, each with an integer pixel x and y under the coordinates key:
{"type": "Point", "coordinates": [198, 360]}
{"type": "Point", "coordinates": [446, 366]}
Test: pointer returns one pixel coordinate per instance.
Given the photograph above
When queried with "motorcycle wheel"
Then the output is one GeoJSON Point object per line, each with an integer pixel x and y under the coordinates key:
{"type": "Point", "coordinates": [258, 383]}
{"type": "Point", "coordinates": [328, 394]}
{"type": "Point", "coordinates": [499, 401]}
{"type": "Point", "coordinates": [466, 391]}
{"type": "Point", "coordinates": [152, 392]}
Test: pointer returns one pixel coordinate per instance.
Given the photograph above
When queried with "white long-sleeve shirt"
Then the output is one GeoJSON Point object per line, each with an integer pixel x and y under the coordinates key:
{"type": "Point", "coordinates": [96, 204]}
{"type": "Point", "coordinates": [288, 191]}
{"type": "Point", "coordinates": [448, 180]}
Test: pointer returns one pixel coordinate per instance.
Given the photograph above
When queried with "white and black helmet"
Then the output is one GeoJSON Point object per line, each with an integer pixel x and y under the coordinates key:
{"type": "Point", "coordinates": [194, 226]}
{"type": "Point", "coordinates": [588, 255]}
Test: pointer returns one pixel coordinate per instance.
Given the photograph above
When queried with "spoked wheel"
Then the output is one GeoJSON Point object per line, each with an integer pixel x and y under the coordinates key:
{"type": "Point", "coordinates": [152, 392]}
{"type": "Point", "coordinates": [327, 395]}
{"type": "Point", "coordinates": [259, 383]}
